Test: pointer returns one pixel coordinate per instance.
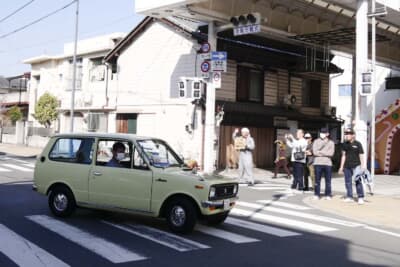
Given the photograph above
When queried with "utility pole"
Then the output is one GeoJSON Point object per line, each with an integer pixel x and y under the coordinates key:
{"type": "Point", "coordinates": [209, 135]}
{"type": "Point", "coordinates": [360, 115]}
{"type": "Point", "coordinates": [74, 69]}
{"type": "Point", "coordinates": [373, 55]}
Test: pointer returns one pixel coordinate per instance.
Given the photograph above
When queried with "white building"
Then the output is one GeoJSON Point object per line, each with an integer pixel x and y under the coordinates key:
{"type": "Point", "coordinates": [53, 74]}
{"type": "Point", "coordinates": [341, 87]}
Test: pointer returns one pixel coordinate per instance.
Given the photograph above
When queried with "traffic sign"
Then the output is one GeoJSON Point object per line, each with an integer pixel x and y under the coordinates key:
{"type": "Point", "coordinates": [205, 66]}
{"type": "Point", "coordinates": [205, 47]}
{"type": "Point", "coordinates": [246, 29]}
{"type": "Point", "coordinates": [216, 79]}
{"type": "Point", "coordinates": [218, 61]}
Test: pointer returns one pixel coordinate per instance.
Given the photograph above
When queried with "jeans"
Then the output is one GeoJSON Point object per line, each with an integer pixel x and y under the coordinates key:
{"type": "Point", "coordinates": [348, 180]}
{"type": "Point", "coordinates": [327, 170]}
{"type": "Point", "coordinates": [298, 171]}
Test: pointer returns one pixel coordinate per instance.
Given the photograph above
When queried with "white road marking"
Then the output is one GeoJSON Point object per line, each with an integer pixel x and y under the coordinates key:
{"type": "Point", "coordinates": [282, 221]}
{"type": "Point", "coordinates": [266, 229]}
{"type": "Point", "coordinates": [284, 204]}
{"type": "Point", "coordinates": [382, 231]}
{"type": "Point", "coordinates": [32, 165]}
{"type": "Point", "coordinates": [100, 246]}
{"type": "Point", "coordinates": [299, 214]}
{"type": "Point", "coordinates": [167, 239]}
{"type": "Point", "coordinates": [235, 238]}
{"type": "Point", "coordinates": [4, 170]}
{"type": "Point", "coordinates": [23, 252]}
{"type": "Point", "coordinates": [267, 188]}
{"type": "Point", "coordinates": [16, 167]}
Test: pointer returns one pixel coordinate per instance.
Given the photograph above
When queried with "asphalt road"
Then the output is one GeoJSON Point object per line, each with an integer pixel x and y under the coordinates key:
{"type": "Point", "coordinates": [268, 227]}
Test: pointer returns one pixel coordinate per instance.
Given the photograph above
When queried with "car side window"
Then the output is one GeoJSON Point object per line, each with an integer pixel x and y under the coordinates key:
{"type": "Point", "coordinates": [114, 153]}
{"type": "Point", "coordinates": [74, 150]}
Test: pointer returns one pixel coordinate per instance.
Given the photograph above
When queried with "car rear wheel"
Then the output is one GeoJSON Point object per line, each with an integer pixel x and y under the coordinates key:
{"type": "Point", "coordinates": [61, 201]}
{"type": "Point", "coordinates": [181, 215]}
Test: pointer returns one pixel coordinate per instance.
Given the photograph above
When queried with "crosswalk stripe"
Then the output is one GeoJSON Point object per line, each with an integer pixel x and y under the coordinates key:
{"type": "Point", "coordinates": [268, 188]}
{"type": "Point", "coordinates": [100, 246]}
{"type": "Point", "coordinates": [266, 229]}
{"type": "Point", "coordinates": [4, 170]}
{"type": "Point", "coordinates": [299, 214]}
{"type": "Point", "coordinates": [23, 252]}
{"type": "Point", "coordinates": [16, 167]}
{"type": "Point", "coordinates": [29, 165]}
{"type": "Point", "coordinates": [167, 239]}
{"type": "Point", "coordinates": [284, 204]}
{"type": "Point", "coordinates": [282, 221]}
{"type": "Point", "coordinates": [235, 238]}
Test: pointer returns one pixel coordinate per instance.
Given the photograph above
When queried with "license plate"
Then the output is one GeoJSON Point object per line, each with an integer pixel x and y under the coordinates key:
{"type": "Point", "coordinates": [227, 204]}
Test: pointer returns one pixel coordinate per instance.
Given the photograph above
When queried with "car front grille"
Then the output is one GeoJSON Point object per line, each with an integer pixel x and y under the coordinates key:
{"type": "Point", "coordinates": [224, 191]}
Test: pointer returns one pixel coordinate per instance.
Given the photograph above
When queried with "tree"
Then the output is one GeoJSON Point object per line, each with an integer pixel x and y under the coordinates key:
{"type": "Point", "coordinates": [46, 109]}
{"type": "Point", "coordinates": [14, 113]}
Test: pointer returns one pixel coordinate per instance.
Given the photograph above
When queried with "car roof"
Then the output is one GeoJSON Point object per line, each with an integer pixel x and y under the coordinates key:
{"type": "Point", "coordinates": [104, 135]}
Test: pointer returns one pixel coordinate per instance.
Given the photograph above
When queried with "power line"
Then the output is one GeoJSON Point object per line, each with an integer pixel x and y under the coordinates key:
{"type": "Point", "coordinates": [16, 11]}
{"type": "Point", "coordinates": [36, 21]}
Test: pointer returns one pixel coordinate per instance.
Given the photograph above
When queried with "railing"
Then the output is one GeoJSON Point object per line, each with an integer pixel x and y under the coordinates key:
{"type": "Point", "coordinates": [9, 130]}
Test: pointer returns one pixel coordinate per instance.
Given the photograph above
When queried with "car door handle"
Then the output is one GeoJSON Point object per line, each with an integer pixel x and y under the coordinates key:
{"type": "Point", "coordinates": [161, 180]}
{"type": "Point", "coordinates": [97, 173]}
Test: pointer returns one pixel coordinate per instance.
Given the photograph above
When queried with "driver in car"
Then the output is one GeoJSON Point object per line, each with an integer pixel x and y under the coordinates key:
{"type": "Point", "coordinates": [118, 151]}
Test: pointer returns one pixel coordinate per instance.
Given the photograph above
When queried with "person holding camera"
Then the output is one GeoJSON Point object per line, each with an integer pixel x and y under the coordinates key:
{"type": "Point", "coordinates": [298, 157]}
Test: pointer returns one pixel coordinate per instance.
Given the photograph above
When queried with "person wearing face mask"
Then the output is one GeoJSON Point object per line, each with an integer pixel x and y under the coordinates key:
{"type": "Point", "coordinates": [323, 149]}
{"type": "Point", "coordinates": [118, 151]}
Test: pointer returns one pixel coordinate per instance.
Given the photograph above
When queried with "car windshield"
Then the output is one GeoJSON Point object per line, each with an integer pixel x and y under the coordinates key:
{"type": "Point", "coordinates": [159, 154]}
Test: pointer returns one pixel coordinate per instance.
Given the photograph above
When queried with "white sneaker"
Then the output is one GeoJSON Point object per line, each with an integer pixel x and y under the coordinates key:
{"type": "Point", "coordinates": [360, 201]}
{"type": "Point", "coordinates": [328, 198]}
{"type": "Point", "coordinates": [315, 197]}
{"type": "Point", "coordinates": [347, 199]}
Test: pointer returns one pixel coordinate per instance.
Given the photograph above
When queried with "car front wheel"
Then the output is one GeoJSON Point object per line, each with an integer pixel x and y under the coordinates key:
{"type": "Point", "coordinates": [61, 201]}
{"type": "Point", "coordinates": [181, 216]}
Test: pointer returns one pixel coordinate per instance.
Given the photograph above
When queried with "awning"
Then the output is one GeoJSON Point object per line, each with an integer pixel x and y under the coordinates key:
{"type": "Point", "coordinates": [258, 115]}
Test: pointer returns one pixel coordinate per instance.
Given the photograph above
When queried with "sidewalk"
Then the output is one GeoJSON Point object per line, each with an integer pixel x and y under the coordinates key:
{"type": "Point", "coordinates": [381, 209]}
{"type": "Point", "coordinates": [20, 150]}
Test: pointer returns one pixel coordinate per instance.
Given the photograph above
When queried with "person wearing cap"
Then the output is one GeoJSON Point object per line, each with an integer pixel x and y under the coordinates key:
{"type": "Point", "coordinates": [309, 167]}
{"type": "Point", "coordinates": [352, 159]}
{"type": "Point", "coordinates": [323, 149]}
{"type": "Point", "coordinates": [245, 156]}
{"type": "Point", "coordinates": [298, 158]}
{"type": "Point", "coordinates": [280, 160]}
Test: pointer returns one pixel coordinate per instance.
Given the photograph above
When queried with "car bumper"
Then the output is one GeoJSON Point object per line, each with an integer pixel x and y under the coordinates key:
{"type": "Point", "coordinates": [219, 204]}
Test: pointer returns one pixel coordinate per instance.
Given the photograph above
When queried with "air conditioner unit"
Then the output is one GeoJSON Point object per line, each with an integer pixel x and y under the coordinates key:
{"type": "Point", "coordinates": [93, 121]}
{"type": "Point", "coordinates": [289, 100]}
{"type": "Point", "coordinates": [330, 111]}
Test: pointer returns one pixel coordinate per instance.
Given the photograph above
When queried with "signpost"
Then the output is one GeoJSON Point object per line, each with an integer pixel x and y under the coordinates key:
{"type": "Point", "coordinates": [218, 61]}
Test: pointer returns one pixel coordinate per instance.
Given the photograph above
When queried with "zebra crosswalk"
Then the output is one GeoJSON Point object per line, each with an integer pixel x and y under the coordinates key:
{"type": "Point", "coordinates": [249, 222]}
{"type": "Point", "coordinates": [8, 164]}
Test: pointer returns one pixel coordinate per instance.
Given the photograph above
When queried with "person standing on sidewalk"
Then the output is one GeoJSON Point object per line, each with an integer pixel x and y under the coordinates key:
{"type": "Point", "coordinates": [280, 161]}
{"type": "Point", "coordinates": [352, 159]}
{"type": "Point", "coordinates": [323, 150]}
{"type": "Point", "coordinates": [245, 155]}
{"type": "Point", "coordinates": [298, 157]}
{"type": "Point", "coordinates": [309, 167]}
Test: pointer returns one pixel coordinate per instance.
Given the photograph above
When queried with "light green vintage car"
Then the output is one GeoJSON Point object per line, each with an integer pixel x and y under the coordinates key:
{"type": "Point", "coordinates": [128, 173]}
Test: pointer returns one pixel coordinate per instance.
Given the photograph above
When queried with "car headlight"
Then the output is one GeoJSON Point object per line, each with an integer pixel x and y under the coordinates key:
{"type": "Point", "coordinates": [212, 192]}
{"type": "Point", "coordinates": [235, 189]}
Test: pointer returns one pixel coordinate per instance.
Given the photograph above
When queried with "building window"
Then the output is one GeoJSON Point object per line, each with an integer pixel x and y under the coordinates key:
{"type": "Point", "coordinates": [249, 84]}
{"type": "Point", "coordinates": [311, 93]}
{"type": "Point", "coordinates": [344, 89]}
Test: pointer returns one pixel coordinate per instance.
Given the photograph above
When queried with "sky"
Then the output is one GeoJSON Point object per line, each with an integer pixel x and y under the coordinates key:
{"type": "Point", "coordinates": [96, 17]}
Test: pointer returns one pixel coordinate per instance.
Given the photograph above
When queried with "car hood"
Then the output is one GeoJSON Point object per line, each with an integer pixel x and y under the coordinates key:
{"type": "Point", "coordinates": [211, 178]}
